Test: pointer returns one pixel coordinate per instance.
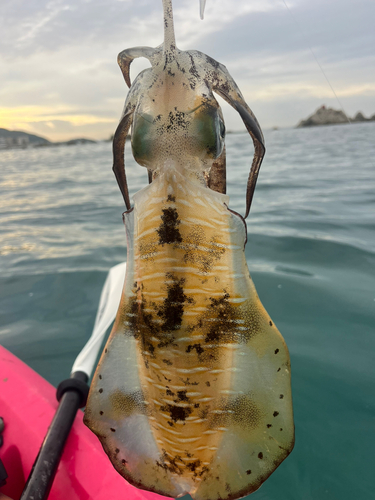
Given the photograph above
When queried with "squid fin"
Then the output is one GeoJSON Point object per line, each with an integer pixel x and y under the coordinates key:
{"type": "Point", "coordinates": [259, 433]}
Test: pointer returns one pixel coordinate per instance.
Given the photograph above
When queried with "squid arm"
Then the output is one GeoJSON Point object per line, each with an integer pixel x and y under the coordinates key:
{"type": "Point", "coordinates": [224, 85]}
{"type": "Point", "coordinates": [119, 157]}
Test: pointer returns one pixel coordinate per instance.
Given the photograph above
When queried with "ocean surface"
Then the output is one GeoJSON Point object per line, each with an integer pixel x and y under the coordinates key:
{"type": "Point", "coordinates": [310, 251]}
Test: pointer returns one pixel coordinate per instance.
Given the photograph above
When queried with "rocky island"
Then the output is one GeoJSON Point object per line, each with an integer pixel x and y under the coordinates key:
{"type": "Point", "coordinates": [330, 116]}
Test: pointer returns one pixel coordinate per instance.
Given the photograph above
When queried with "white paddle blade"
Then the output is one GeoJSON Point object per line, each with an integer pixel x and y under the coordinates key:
{"type": "Point", "coordinates": [108, 305]}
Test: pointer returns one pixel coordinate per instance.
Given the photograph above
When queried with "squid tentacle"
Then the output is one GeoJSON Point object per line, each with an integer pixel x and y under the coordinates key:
{"type": "Point", "coordinates": [224, 85]}
{"type": "Point", "coordinates": [127, 56]}
{"type": "Point", "coordinates": [118, 156]}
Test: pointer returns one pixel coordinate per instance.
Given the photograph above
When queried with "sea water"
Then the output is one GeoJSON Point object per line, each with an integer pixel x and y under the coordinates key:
{"type": "Point", "coordinates": [310, 251]}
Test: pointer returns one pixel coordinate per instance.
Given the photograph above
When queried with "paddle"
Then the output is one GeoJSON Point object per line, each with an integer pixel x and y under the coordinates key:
{"type": "Point", "coordinates": [72, 392]}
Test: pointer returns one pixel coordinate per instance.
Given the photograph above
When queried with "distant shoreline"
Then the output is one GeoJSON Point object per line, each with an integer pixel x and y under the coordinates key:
{"type": "Point", "coordinates": [16, 139]}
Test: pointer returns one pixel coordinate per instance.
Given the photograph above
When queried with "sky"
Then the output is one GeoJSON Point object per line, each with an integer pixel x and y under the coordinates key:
{"type": "Point", "coordinates": [59, 76]}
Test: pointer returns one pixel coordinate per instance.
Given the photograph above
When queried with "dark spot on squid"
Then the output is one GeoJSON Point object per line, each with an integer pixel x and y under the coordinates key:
{"type": "Point", "coordinates": [275, 413]}
{"type": "Point", "coordinates": [100, 377]}
{"type": "Point", "coordinates": [279, 369]}
{"type": "Point", "coordinates": [277, 350]}
{"type": "Point", "coordinates": [112, 429]}
{"type": "Point", "coordinates": [187, 382]}
{"type": "Point", "coordinates": [225, 87]}
{"type": "Point", "coordinates": [168, 231]}
{"type": "Point", "coordinates": [117, 450]}
{"type": "Point", "coordinates": [173, 306]}
{"type": "Point", "coordinates": [212, 62]}
{"type": "Point", "coordinates": [281, 396]}
{"type": "Point", "coordinates": [181, 396]}
{"type": "Point", "coordinates": [177, 413]}
{"type": "Point", "coordinates": [196, 405]}
{"type": "Point", "coordinates": [248, 472]}
{"type": "Point", "coordinates": [172, 464]}
{"type": "Point", "coordinates": [193, 69]}
{"type": "Point", "coordinates": [222, 330]}
{"type": "Point", "coordinates": [197, 347]}
{"type": "Point", "coordinates": [100, 391]}
{"type": "Point", "coordinates": [271, 323]}
{"type": "Point", "coordinates": [167, 362]}
{"type": "Point", "coordinates": [281, 429]}
{"type": "Point", "coordinates": [203, 471]}
{"type": "Point", "coordinates": [123, 461]}
{"type": "Point", "coordinates": [100, 413]}
{"type": "Point", "coordinates": [171, 198]}
{"type": "Point", "coordinates": [208, 384]}
{"type": "Point", "coordinates": [260, 455]}
{"type": "Point", "coordinates": [193, 465]}
{"type": "Point", "coordinates": [269, 425]}
{"type": "Point", "coordinates": [169, 392]}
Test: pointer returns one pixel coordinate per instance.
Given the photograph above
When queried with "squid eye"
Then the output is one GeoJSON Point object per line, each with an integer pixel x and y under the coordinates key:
{"type": "Point", "coordinates": [209, 131]}
{"type": "Point", "coordinates": [143, 138]}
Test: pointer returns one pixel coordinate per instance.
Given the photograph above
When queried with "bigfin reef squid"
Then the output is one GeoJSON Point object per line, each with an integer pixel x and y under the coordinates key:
{"type": "Point", "coordinates": [192, 392]}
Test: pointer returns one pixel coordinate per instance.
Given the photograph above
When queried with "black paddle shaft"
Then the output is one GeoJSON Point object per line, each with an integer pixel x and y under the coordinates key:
{"type": "Point", "coordinates": [72, 394]}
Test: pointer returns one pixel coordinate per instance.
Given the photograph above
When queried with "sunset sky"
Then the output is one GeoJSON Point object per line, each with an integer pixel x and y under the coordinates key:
{"type": "Point", "coordinates": [59, 76]}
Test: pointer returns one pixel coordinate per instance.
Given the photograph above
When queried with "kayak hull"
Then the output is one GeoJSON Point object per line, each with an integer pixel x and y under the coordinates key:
{"type": "Point", "coordinates": [28, 405]}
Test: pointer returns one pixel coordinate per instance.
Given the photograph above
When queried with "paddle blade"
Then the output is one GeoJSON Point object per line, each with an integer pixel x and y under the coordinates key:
{"type": "Point", "coordinates": [108, 306]}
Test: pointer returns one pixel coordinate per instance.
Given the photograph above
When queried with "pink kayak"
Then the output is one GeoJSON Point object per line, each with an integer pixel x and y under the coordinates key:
{"type": "Point", "coordinates": [28, 405]}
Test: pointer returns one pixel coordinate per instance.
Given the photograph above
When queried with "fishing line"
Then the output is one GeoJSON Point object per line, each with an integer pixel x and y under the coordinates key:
{"type": "Point", "coordinates": [316, 59]}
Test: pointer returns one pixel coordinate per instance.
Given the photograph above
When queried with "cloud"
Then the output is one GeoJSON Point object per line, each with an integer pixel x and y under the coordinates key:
{"type": "Point", "coordinates": [58, 57]}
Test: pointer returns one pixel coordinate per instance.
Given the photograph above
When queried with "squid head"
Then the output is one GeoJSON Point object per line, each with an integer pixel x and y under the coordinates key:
{"type": "Point", "coordinates": [175, 115]}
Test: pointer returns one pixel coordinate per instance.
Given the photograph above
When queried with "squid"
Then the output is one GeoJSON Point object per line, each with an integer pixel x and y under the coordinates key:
{"type": "Point", "coordinates": [192, 392]}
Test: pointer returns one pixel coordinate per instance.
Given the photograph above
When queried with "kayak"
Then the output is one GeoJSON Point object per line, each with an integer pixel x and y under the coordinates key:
{"type": "Point", "coordinates": [27, 405]}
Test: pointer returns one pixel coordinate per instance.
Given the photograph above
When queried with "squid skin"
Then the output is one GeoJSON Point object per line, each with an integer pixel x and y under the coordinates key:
{"type": "Point", "coordinates": [192, 392]}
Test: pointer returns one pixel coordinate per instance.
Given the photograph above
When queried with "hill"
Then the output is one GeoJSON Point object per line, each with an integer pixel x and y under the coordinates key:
{"type": "Point", "coordinates": [16, 138]}
{"type": "Point", "coordinates": [10, 139]}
